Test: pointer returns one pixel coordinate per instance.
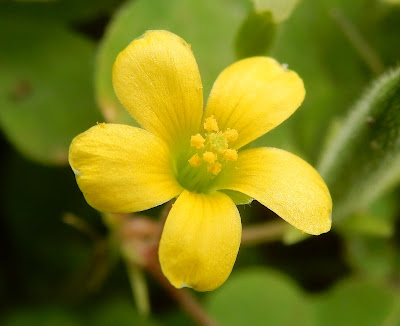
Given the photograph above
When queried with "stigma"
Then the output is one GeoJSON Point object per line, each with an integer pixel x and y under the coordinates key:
{"type": "Point", "coordinates": [212, 148]}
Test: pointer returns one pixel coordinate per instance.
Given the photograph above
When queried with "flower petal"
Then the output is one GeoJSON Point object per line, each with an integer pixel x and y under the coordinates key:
{"type": "Point", "coordinates": [200, 241]}
{"type": "Point", "coordinates": [122, 169]}
{"type": "Point", "coordinates": [284, 183]}
{"type": "Point", "coordinates": [157, 79]}
{"type": "Point", "coordinates": [253, 96]}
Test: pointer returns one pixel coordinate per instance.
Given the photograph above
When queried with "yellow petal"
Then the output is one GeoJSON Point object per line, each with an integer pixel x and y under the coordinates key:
{"type": "Point", "coordinates": [157, 79]}
{"type": "Point", "coordinates": [200, 241]}
{"type": "Point", "coordinates": [122, 169]}
{"type": "Point", "coordinates": [253, 96]}
{"type": "Point", "coordinates": [284, 183]}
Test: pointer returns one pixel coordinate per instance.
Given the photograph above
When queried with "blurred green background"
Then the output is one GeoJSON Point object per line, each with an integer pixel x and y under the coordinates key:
{"type": "Point", "coordinates": [55, 82]}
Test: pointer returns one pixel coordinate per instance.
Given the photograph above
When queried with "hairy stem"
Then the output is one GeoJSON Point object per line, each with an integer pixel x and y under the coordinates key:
{"type": "Point", "coordinates": [184, 298]}
{"type": "Point", "coordinates": [265, 232]}
{"type": "Point", "coordinates": [359, 43]}
{"type": "Point", "coordinates": [139, 288]}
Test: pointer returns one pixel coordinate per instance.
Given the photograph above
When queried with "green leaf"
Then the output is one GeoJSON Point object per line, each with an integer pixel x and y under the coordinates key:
{"type": "Point", "coordinates": [59, 10]}
{"type": "Point", "coordinates": [259, 297]}
{"type": "Point", "coordinates": [280, 9]}
{"type": "Point", "coordinates": [42, 316]}
{"type": "Point", "coordinates": [369, 246]}
{"type": "Point", "coordinates": [209, 26]}
{"type": "Point", "coordinates": [34, 199]}
{"type": "Point", "coordinates": [371, 256]}
{"type": "Point", "coordinates": [118, 312]}
{"type": "Point", "coordinates": [46, 94]}
{"type": "Point", "coordinates": [238, 198]}
{"type": "Point", "coordinates": [355, 302]}
{"type": "Point", "coordinates": [256, 35]}
{"type": "Point", "coordinates": [378, 219]}
{"type": "Point", "coordinates": [368, 225]}
{"type": "Point", "coordinates": [363, 160]}
{"type": "Point", "coordinates": [176, 318]}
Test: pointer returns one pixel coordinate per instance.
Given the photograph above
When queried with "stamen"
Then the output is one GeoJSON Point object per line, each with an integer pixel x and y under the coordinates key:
{"type": "Point", "coordinates": [210, 124]}
{"type": "Point", "coordinates": [213, 147]}
{"type": "Point", "coordinates": [214, 168]}
{"type": "Point", "coordinates": [209, 157]}
{"type": "Point", "coordinates": [230, 154]}
{"type": "Point", "coordinates": [231, 135]}
{"type": "Point", "coordinates": [197, 141]}
{"type": "Point", "coordinates": [195, 160]}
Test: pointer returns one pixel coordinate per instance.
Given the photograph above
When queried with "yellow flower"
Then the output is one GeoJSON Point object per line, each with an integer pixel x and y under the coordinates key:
{"type": "Point", "coordinates": [196, 156]}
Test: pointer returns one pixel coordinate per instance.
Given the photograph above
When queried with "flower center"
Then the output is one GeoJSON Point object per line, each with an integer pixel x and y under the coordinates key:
{"type": "Point", "coordinates": [211, 153]}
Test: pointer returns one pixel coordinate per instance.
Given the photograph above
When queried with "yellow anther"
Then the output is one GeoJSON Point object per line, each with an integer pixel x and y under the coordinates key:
{"type": "Point", "coordinates": [209, 157]}
{"type": "Point", "coordinates": [230, 155]}
{"type": "Point", "coordinates": [213, 146]}
{"type": "Point", "coordinates": [195, 160]}
{"type": "Point", "coordinates": [197, 141]}
{"type": "Point", "coordinates": [210, 124]}
{"type": "Point", "coordinates": [231, 134]}
{"type": "Point", "coordinates": [214, 168]}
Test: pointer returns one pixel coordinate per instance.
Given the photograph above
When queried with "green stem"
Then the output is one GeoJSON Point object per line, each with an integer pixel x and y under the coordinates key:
{"type": "Point", "coordinates": [139, 288]}
{"type": "Point", "coordinates": [359, 43]}
{"type": "Point", "coordinates": [82, 226]}
{"type": "Point", "coordinates": [135, 235]}
{"type": "Point", "coordinates": [265, 232]}
{"type": "Point", "coordinates": [184, 298]}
